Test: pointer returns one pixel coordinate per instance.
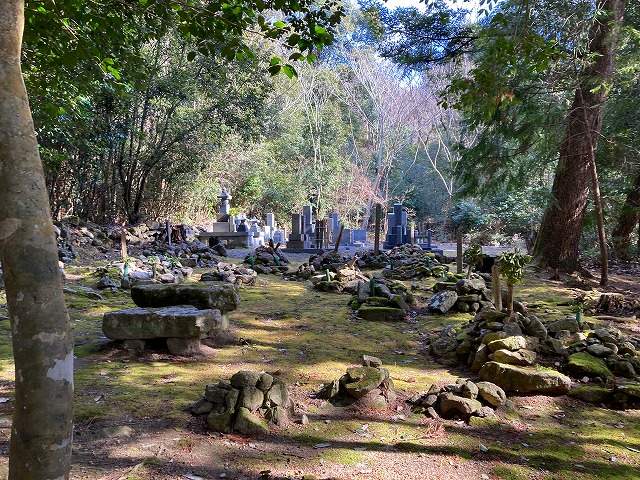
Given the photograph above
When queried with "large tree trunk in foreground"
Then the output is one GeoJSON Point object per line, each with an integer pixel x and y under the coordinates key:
{"type": "Point", "coordinates": [41, 433]}
{"type": "Point", "coordinates": [558, 241]}
{"type": "Point", "coordinates": [627, 221]}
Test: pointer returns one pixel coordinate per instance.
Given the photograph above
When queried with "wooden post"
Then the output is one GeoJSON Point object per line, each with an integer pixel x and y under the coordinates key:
{"type": "Point", "coordinates": [123, 243]}
{"type": "Point", "coordinates": [412, 232]}
{"type": "Point", "coordinates": [495, 286]}
{"type": "Point", "coordinates": [376, 241]}
{"type": "Point", "coordinates": [458, 250]}
{"type": "Point", "coordinates": [168, 224]}
{"type": "Point", "coordinates": [509, 300]}
{"type": "Point", "coordinates": [337, 246]}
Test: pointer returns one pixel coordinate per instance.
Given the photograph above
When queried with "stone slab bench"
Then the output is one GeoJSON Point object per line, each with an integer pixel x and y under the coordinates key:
{"type": "Point", "coordinates": [203, 295]}
{"type": "Point", "coordinates": [182, 326]}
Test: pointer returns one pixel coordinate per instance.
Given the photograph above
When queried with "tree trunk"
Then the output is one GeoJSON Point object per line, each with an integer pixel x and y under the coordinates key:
{"type": "Point", "coordinates": [627, 221]}
{"type": "Point", "coordinates": [41, 432]}
{"type": "Point", "coordinates": [561, 228]}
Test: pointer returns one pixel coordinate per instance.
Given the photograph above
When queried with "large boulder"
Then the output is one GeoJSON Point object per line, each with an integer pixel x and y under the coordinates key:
{"type": "Point", "coordinates": [204, 295]}
{"type": "Point", "coordinates": [178, 322]}
{"type": "Point", "coordinates": [491, 393]}
{"type": "Point", "coordinates": [513, 343]}
{"type": "Point", "coordinates": [569, 323]}
{"type": "Point", "coordinates": [443, 301]}
{"type": "Point", "coordinates": [519, 357]}
{"type": "Point", "coordinates": [450, 403]}
{"type": "Point", "coordinates": [525, 379]}
{"type": "Point", "coordinates": [582, 364]}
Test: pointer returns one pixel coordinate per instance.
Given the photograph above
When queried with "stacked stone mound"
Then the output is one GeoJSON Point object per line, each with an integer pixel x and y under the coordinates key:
{"type": "Point", "coordinates": [232, 273]}
{"type": "Point", "coordinates": [344, 279]}
{"type": "Point", "coordinates": [330, 272]}
{"type": "Point", "coordinates": [185, 315]}
{"type": "Point", "coordinates": [505, 349]}
{"type": "Point", "coordinates": [318, 266]}
{"type": "Point", "coordinates": [246, 404]}
{"type": "Point", "coordinates": [368, 385]}
{"type": "Point", "coordinates": [410, 262]}
{"type": "Point", "coordinates": [464, 399]}
{"type": "Point", "coordinates": [267, 260]}
{"type": "Point", "coordinates": [369, 259]}
{"type": "Point", "coordinates": [144, 271]}
{"type": "Point", "coordinates": [147, 239]}
{"type": "Point", "coordinates": [388, 301]}
{"type": "Point", "coordinates": [461, 294]}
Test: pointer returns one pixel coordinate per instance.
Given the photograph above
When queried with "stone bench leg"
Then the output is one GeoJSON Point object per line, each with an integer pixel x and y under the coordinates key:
{"type": "Point", "coordinates": [183, 346]}
{"type": "Point", "coordinates": [133, 344]}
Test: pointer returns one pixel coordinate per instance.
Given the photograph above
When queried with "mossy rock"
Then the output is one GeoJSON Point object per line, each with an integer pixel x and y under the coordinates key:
{"type": "Point", "coordinates": [332, 286]}
{"type": "Point", "coordinates": [221, 422]}
{"type": "Point", "coordinates": [247, 423]}
{"type": "Point", "coordinates": [383, 314]}
{"type": "Point", "coordinates": [512, 378]}
{"type": "Point", "coordinates": [361, 380]}
{"type": "Point", "coordinates": [377, 301]}
{"type": "Point", "coordinates": [485, 422]}
{"type": "Point", "coordinates": [220, 296]}
{"type": "Point", "coordinates": [582, 364]}
{"type": "Point", "coordinates": [633, 390]}
{"type": "Point", "coordinates": [355, 305]}
{"type": "Point", "coordinates": [592, 394]}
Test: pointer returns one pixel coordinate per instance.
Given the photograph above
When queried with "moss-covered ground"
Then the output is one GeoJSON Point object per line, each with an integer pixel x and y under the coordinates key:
{"type": "Point", "coordinates": [131, 424]}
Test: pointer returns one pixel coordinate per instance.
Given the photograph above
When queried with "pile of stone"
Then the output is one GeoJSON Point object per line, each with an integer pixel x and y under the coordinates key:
{"type": "Point", "coordinates": [330, 272]}
{"type": "Point", "coordinates": [185, 315]}
{"type": "Point", "coordinates": [246, 404]}
{"type": "Point", "coordinates": [379, 299]}
{"type": "Point", "coordinates": [148, 271]}
{"type": "Point", "coordinates": [410, 262]}
{"type": "Point", "coordinates": [232, 273]}
{"type": "Point", "coordinates": [461, 294]}
{"type": "Point", "coordinates": [344, 279]}
{"type": "Point", "coordinates": [463, 400]}
{"type": "Point", "coordinates": [144, 240]}
{"type": "Point", "coordinates": [320, 264]}
{"type": "Point", "coordinates": [506, 350]}
{"type": "Point", "coordinates": [368, 260]}
{"type": "Point", "coordinates": [368, 385]}
{"type": "Point", "coordinates": [267, 260]}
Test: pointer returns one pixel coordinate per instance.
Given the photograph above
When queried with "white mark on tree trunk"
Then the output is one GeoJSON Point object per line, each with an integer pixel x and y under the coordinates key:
{"type": "Point", "coordinates": [62, 370]}
{"type": "Point", "coordinates": [19, 297]}
{"type": "Point", "coordinates": [8, 226]}
{"type": "Point", "coordinates": [45, 337]}
{"type": "Point", "coordinates": [64, 444]}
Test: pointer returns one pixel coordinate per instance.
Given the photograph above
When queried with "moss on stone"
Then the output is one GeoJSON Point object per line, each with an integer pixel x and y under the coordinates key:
{"type": "Point", "coordinates": [591, 394]}
{"type": "Point", "coordinates": [372, 313]}
{"type": "Point", "coordinates": [583, 364]}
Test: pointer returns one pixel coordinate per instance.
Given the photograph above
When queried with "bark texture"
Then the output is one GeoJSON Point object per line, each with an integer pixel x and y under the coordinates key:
{"type": "Point", "coordinates": [557, 245]}
{"type": "Point", "coordinates": [41, 434]}
{"type": "Point", "coordinates": [627, 221]}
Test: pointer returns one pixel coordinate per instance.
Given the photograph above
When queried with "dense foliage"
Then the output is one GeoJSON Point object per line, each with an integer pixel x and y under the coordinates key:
{"type": "Point", "coordinates": [468, 114]}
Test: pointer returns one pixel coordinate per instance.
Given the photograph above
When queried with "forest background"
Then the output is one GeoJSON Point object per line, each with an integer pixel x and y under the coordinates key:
{"type": "Point", "coordinates": [459, 116]}
{"type": "Point", "coordinates": [524, 114]}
